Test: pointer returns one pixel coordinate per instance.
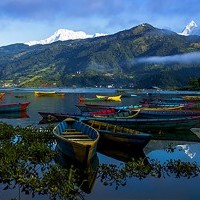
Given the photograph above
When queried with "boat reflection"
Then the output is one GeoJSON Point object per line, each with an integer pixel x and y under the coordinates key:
{"type": "Point", "coordinates": [86, 175]}
{"type": "Point", "coordinates": [13, 115]}
{"type": "Point", "coordinates": [124, 153]}
{"type": "Point", "coordinates": [175, 135]}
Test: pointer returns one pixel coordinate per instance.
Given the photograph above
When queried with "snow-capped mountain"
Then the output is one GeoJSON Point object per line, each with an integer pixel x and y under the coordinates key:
{"type": "Point", "coordinates": [191, 29]}
{"type": "Point", "coordinates": [63, 35]}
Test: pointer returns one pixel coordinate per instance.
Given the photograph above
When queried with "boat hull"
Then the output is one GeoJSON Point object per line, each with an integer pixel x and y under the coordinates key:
{"type": "Point", "coordinates": [48, 94]}
{"type": "Point", "coordinates": [14, 107]}
{"type": "Point", "coordinates": [146, 124]}
{"type": "Point", "coordinates": [75, 147]}
{"type": "Point", "coordinates": [120, 135]}
{"type": "Point", "coordinates": [109, 98]}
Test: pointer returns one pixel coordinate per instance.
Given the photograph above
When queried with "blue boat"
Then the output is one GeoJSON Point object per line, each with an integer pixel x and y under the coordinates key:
{"type": "Point", "coordinates": [76, 140]}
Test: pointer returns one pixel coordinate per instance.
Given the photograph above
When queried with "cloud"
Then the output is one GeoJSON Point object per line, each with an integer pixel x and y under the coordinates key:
{"type": "Point", "coordinates": [52, 8]}
{"type": "Point", "coordinates": [91, 16]}
{"type": "Point", "coordinates": [186, 58]}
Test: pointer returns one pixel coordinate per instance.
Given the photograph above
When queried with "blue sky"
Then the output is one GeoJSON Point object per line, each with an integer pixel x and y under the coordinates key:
{"type": "Point", "coordinates": [25, 20]}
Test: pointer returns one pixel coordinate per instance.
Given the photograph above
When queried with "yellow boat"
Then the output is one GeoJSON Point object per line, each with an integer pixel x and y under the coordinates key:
{"type": "Point", "coordinates": [49, 94]}
{"type": "Point", "coordinates": [161, 108]}
{"type": "Point", "coordinates": [101, 97]}
{"type": "Point", "coordinates": [191, 98]}
{"type": "Point", "coordinates": [110, 98]}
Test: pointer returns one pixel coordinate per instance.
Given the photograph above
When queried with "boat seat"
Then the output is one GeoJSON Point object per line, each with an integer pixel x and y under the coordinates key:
{"type": "Point", "coordinates": [72, 133]}
{"type": "Point", "coordinates": [81, 139]}
{"type": "Point", "coordinates": [75, 135]}
{"type": "Point", "coordinates": [70, 129]}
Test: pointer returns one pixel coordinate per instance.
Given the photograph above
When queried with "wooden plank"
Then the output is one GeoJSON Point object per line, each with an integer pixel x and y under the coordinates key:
{"type": "Point", "coordinates": [71, 132]}
{"type": "Point", "coordinates": [78, 136]}
{"type": "Point", "coordinates": [80, 139]}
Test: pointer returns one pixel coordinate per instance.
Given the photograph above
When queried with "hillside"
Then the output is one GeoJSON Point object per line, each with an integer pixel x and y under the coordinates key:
{"type": "Point", "coordinates": [108, 60]}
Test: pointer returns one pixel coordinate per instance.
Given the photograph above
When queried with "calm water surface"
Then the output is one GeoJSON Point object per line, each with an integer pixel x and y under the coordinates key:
{"type": "Point", "coordinates": [150, 188]}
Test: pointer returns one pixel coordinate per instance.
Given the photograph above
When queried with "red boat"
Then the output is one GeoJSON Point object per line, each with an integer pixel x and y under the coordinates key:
{"type": "Point", "coordinates": [58, 117]}
{"type": "Point", "coordinates": [13, 107]}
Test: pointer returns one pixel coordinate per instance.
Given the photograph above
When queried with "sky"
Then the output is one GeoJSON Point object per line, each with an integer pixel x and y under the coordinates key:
{"type": "Point", "coordinates": [26, 20]}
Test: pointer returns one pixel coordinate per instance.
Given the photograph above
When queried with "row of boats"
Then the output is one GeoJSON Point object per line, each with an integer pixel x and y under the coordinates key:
{"type": "Point", "coordinates": [77, 135]}
{"type": "Point", "coordinates": [129, 125]}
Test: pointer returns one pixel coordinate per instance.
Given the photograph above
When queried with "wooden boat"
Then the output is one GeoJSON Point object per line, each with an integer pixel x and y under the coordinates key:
{"type": "Point", "coordinates": [161, 108]}
{"type": "Point", "coordinates": [48, 93]}
{"type": "Point", "coordinates": [167, 113]}
{"type": "Point", "coordinates": [58, 117]}
{"type": "Point", "coordinates": [50, 117]}
{"type": "Point", "coordinates": [101, 97]}
{"type": "Point", "coordinates": [118, 134]}
{"type": "Point", "coordinates": [114, 98]}
{"type": "Point", "coordinates": [13, 107]}
{"type": "Point", "coordinates": [192, 98]}
{"type": "Point", "coordinates": [76, 140]}
{"type": "Point", "coordinates": [84, 99]}
{"type": "Point", "coordinates": [141, 124]}
{"type": "Point", "coordinates": [98, 107]}
{"type": "Point", "coordinates": [128, 114]}
{"type": "Point", "coordinates": [110, 98]}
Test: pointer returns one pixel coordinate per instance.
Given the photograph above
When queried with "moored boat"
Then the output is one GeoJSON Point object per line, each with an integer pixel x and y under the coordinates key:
{"type": "Point", "coordinates": [58, 117]}
{"type": "Point", "coordinates": [85, 99]}
{"type": "Point", "coordinates": [76, 140]}
{"type": "Point", "coordinates": [167, 113]}
{"type": "Point", "coordinates": [161, 108]}
{"type": "Point", "coordinates": [48, 93]}
{"type": "Point", "coordinates": [110, 98]}
{"type": "Point", "coordinates": [13, 107]}
{"type": "Point", "coordinates": [141, 124]}
{"type": "Point", "coordinates": [120, 135]}
{"type": "Point", "coordinates": [97, 107]}
{"type": "Point", "coordinates": [192, 97]}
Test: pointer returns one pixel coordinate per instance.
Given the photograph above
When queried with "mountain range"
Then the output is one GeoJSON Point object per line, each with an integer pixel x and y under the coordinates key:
{"type": "Point", "coordinates": [65, 34]}
{"type": "Point", "coordinates": [140, 57]}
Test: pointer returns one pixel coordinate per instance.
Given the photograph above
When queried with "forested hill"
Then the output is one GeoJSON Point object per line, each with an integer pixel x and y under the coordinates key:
{"type": "Point", "coordinates": [117, 59]}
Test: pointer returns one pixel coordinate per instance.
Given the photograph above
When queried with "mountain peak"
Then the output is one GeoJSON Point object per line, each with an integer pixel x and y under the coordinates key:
{"type": "Point", "coordinates": [189, 29]}
{"type": "Point", "coordinates": [63, 35]}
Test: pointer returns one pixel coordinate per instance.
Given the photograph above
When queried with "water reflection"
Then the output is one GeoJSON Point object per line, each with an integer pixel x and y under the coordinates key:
{"type": "Point", "coordinates": [174, 135]}
{"type": "Point", "coordinates": [124, 153]}
{"type": "Point", "coordinates": [154, 165]}
{"type": "Point", "coordinates": [85, 175]}
{"type": "Point", "coordinates": [14, 115]}
{"type": "Point", "coordinates": [187, 150]}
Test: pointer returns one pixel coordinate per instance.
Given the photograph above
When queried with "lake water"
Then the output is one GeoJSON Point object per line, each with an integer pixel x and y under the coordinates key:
{"type": "Point", "coordinates": [166, 187]}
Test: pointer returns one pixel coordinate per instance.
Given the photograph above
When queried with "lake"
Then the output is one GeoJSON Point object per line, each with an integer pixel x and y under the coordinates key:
{"type": "Point", "coordinates": [168, 186]}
